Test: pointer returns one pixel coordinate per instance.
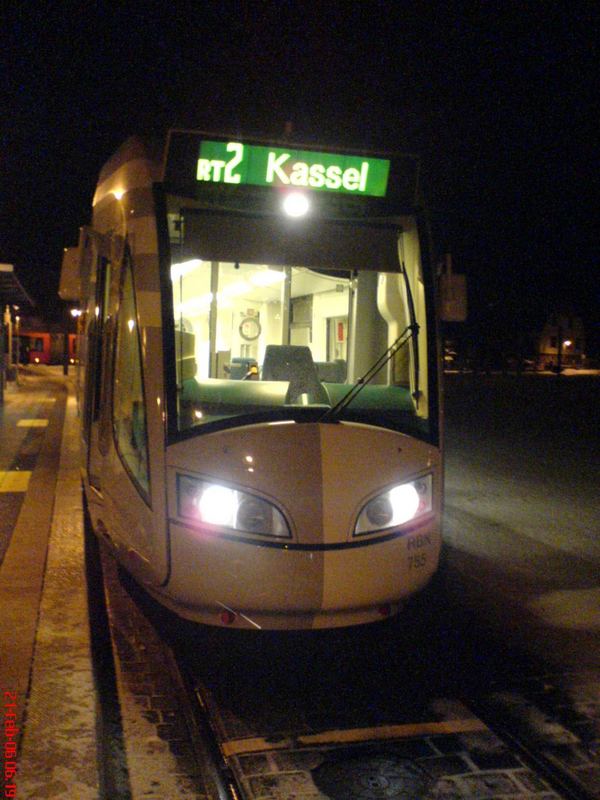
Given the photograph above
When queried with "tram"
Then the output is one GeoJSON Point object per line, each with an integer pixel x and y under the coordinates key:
{"type": "Point", "coordinates": [35, 348]}
{"type": "Point", "coordinates": [43, 347]}
{"type": "Point", "coordinates": [258, 379]}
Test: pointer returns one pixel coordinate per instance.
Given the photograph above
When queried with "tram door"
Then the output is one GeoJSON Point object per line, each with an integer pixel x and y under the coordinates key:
{"type": "Point", "coordinates": [98, 267]}
{"type": "Point", "coordinates": [337, 338]}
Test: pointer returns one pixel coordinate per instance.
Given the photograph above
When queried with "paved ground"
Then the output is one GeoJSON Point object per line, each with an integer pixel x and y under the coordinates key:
{"type": "Point", "coordinates": [52, 688]}
{"type": "Point", "coordinates": [24, 417]}
{"type": "Point", "coordinates": [45, 655]}
{"type": "Point", "coordinates": [522, 532]}
{"type": "Point", "coordinates": [522, 510]}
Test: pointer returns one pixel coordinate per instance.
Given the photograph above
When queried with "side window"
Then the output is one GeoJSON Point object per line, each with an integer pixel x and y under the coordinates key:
{"type": "Point", "coordinates": [129, 416]}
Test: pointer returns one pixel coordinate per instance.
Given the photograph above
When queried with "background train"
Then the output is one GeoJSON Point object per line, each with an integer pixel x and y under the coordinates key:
{"type": "Point", "coordinates": [43, 347]}
{"type": "Point", "coordinates": [259, 378]}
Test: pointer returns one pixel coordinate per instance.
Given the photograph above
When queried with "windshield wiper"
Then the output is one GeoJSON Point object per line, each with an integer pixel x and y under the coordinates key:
{"type": "Point", "coordinates": [413, 324]}
{"type": "Point", "coordinates": [410, 332]}
{"type": "Point", "coordinates": [333, 413]}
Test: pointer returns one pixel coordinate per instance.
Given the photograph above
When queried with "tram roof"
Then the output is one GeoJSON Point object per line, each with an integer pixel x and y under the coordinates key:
{"type": "Point", "coordinates": [11, 290]}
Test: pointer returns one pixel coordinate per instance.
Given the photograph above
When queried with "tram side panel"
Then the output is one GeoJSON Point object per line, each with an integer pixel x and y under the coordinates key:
{"type": "Point", "coordinates": [132, 506]}
{"type": "Point", "coordinates": [126, 506]}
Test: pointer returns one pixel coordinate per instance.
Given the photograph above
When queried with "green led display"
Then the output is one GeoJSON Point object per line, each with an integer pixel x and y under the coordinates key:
{"type": "Point", "coordinates": [238, 163]}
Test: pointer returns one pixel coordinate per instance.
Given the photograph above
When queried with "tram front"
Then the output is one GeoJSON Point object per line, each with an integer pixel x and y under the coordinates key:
{"type": "Point", "coordinates": [303, 462]}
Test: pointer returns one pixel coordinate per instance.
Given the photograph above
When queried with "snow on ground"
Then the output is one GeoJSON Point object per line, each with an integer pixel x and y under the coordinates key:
{"type": "Point", "coordinates": [522, 503]}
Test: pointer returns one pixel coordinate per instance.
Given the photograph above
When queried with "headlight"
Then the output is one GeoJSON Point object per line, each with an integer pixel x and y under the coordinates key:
{"type": "Point", "coordinates": [398, 505]}
{"type": "Point", "coordinates": [214, 504]}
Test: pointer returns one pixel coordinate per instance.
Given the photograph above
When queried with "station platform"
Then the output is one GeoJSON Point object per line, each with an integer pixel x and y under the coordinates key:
{"type": "Point", "coordinates": [46, 672]}
{"type": "Point", "coordinates": [61, 719]}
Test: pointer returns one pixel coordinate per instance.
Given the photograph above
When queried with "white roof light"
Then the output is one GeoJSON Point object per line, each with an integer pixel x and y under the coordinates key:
{"type": "Point", "coordinates": [296, 204]}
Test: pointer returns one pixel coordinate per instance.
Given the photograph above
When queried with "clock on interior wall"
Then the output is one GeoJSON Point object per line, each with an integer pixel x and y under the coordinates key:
{"type": "Point", "coordinates": [250, 329]}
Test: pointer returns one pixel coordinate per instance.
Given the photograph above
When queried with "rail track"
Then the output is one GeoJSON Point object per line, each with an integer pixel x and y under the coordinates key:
{"type": "Point", "coordinates": [213, 714]}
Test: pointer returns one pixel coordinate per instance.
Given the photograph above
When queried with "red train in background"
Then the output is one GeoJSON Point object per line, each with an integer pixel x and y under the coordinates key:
{"type": "Point", "coordinates": [39, 347]}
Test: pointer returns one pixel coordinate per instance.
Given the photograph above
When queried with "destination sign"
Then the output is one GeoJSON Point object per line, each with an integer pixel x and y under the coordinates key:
{"type": "Point", "coordinates": [240, 163]}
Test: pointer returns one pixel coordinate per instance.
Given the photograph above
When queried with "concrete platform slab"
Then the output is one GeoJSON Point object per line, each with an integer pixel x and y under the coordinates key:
{"type": "Point", "coordinates": [45, 655]}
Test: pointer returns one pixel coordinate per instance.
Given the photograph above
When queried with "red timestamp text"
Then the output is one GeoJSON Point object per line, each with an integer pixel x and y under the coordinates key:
{"type": "Point", "coordinates": [10, 733]}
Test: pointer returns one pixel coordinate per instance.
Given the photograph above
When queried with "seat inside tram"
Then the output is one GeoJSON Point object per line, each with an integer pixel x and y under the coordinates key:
{"type": "Point", "coordinates": [294, 364]}
{"type": "Point", "coordinates": [267, 336]}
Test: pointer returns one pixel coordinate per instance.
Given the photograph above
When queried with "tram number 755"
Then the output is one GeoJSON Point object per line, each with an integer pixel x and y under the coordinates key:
{"type": "Point", "coordinates": [417, 560]}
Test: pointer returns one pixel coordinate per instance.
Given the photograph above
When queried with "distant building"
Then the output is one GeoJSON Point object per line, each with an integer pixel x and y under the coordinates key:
{"type": "Point", "coordinates": [562, 341]}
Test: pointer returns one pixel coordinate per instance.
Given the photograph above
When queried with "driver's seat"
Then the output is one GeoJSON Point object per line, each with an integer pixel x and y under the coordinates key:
{"type": "Point", "coordinates": [294, 363]}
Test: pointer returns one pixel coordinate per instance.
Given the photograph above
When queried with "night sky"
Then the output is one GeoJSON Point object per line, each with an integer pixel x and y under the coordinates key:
{"type": "Point", "coordinates": [500, 100]}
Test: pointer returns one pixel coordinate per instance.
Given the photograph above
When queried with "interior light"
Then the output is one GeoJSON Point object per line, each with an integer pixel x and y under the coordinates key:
{"type": "Point", "coordinates": [118, 193]}
{"type": "Point", "coordinates": [296, 204]}
{"type": "Point", "coordinates": [233, 290]}
{"type": "Point", "coordinates": [267, 277]}
{"type": "Point", "coordinates": [184, 268]}
{"type": "Point", "coordinates": [195, 304]}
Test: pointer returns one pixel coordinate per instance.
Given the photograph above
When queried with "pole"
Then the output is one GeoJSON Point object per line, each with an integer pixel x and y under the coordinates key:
{"type": "Point", "coordinates": [18, 347]}
{"type": "Point", "coordinates": [559, 354]}
{"type": "Point", "coordinates": [66, 342]}
{"type": "Point", "coordinates": [8, 323]}
{"type": "Point", "coordinates": [2, 363]}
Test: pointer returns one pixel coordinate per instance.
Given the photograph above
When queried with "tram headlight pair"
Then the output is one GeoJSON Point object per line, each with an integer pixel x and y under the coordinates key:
{"type": "Point", "coordinates": [400, 504]}
{"type": "Point", "coordinates": [214, 504]}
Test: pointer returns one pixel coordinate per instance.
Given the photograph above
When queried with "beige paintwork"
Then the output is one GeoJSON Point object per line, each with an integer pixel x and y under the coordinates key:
{"type": "Point", "coordinates": [320, 476]}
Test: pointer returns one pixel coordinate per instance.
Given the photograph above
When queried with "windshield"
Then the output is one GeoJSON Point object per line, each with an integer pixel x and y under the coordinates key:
{"type": "Point", "coordinates": [264, 339]}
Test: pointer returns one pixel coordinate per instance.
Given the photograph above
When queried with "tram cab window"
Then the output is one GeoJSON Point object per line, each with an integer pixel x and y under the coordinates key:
{"type": "Point", "coordinates": [230, 318]}
{"type": "Point", "coordinates": [328, 324]}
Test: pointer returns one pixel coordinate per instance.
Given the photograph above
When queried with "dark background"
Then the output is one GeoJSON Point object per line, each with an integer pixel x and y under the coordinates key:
{"type": "Point", "coordinates": [499, 100]}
